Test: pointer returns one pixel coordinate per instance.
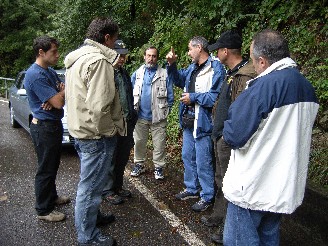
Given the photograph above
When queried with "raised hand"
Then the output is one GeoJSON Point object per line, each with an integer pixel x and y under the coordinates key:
{"type": "Point", "coordinates": [171, 57]}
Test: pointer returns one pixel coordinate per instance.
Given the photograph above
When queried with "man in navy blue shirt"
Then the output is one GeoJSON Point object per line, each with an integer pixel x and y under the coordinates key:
{"type": "Point", "coordinates": [46, 94]}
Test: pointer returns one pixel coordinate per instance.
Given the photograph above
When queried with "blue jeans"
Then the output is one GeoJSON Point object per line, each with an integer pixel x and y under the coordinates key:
{"type": "Point", "coordinates": [245, 227]}
{"type": "Point", "coordinates": [198, 163]}
{"type": "Point", "coordinates": [47, 139]}
{"type": "Point", "coordinates": [96, 158]}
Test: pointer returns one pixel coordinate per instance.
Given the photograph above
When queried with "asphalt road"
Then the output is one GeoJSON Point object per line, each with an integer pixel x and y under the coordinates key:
{"type": "Point", "coordinates": [150, 217]}
{"type": "Point", "coordinates": [138, 220]}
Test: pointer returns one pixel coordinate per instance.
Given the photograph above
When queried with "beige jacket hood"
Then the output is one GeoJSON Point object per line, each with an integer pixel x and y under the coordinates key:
{"type": "Point", "coordinates": [93, 107]}
{"type": "Point", "coordinates": [91, 47]}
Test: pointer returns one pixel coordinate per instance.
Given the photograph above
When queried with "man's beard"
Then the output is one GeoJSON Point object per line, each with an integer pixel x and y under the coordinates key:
{"type": "Point", "coordinates": [150, 65]}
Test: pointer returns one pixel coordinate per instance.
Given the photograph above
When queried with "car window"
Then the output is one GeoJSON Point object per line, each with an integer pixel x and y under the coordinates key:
{"type": "Point", "coordinates": [19, 81]}
{"type": "Point", "coordinates": [61, 76]}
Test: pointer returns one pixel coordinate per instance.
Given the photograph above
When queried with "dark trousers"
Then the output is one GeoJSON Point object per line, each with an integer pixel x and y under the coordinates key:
{"type": "Point", "coordinates": [47, 139]}
{"type": "Point", "coordinates": [122, 153]}
{"type": "Point", "coordinates": [222, 157]}
{"type": "Point", "coordinates": [121, 156]}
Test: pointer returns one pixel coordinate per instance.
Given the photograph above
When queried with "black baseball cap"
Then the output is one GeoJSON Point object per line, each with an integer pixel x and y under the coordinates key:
{"type": "Point", "coordinates": [120, 47]}
{"type": "Point", "coordinates": [229, 39]}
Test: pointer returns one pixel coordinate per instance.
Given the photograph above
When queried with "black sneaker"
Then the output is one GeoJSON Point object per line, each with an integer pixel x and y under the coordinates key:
{"type": "Point", "coordinates": [212, 220]}
{"type": "Point", "coordinates": [159, 173]}
{"type": "Point", "coordinates": [201, 205]}
{"type": "Point", "coordinates": [217, 237]}
{"type": "Point", "coordinates": [138, 169]}
{"type": "Point", "coordinates": [103, 219]}
{"type": "Point", "coordinates": [184, 195]}
{"type": "Point", "coordinates": [101, 240]}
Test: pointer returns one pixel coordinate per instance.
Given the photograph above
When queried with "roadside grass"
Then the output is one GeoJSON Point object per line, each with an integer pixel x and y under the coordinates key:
{"type": "Point", "coordinates": [318, 167]}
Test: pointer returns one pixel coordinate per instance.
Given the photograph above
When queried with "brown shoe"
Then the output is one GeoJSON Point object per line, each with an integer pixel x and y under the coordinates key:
{"type": "Point", "coordinates": [54, 216]}
{"type": "Point", "coordinates": [114, 199]}
{"type": "Point", "coordinates": [62, 200]}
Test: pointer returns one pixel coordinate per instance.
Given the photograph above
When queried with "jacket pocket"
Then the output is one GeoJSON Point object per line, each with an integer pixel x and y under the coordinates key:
{"type": "Point", "coordinates": [162, 112]}
{"type": "Point", "coordinates": [161, 92]}
{"type": "Point", "coordinates": [204, 121]}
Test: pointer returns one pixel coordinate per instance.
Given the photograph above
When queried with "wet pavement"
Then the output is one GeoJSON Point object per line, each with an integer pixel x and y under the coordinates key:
{"type": "Point", "coordinates": [151, 217]}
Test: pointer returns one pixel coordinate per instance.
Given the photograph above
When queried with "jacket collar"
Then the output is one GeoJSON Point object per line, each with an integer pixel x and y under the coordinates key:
{"type": "Point", "coordinates": [111, 54]}
{"type": "Point", "coordinates": [279, 65]}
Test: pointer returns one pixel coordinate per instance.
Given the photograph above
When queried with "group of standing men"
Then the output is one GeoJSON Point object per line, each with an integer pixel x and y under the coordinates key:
{"type": "Point", "coordinates": [106, 110]}
{"type": "Point", "coordinates": [104, 105]}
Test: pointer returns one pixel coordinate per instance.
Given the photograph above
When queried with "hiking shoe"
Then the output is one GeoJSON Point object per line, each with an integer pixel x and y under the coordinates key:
{"type": "Point", "coordinates": [100, 240]}
{"type": "Point", "coordinates": [211, 221]}
{"type": "Point", "coordinates": [54, 216]}
{"type": "Point", "coordinates": [201, 205]}
{"type": "Point", "coordinates": [159, 173]}
{"type": "Point", "coordinates": [103, 219]}
{"type": "Point", "coordinates": [124, 193]}
{"type": "Point", "coordinates": [217, 237]}
{"type": "Point", "coordinates": [114, 199]}
{"type": "Point", "coordinates": [138, 169]}
{"type": "Point", "coordinates": [184, 195]}
{"type": "Point", "coordinates": [62, 200]}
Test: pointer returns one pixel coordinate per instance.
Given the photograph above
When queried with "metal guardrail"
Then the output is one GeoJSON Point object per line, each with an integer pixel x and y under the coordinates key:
{"type": "Point", "coordinates": [4, 85]}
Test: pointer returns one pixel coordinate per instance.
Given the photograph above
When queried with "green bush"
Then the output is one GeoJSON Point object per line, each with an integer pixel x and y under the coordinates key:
{"type": "Point", "coordinates": [318, 169]}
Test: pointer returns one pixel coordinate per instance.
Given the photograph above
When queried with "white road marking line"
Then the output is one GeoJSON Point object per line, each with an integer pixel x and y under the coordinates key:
{"type": "Point", "coordinates": [189, 236]}
{"type": "Point", "coordinates": [4, 101]}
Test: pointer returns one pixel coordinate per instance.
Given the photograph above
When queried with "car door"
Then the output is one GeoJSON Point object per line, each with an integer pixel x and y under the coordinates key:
{"type": "Point", "coordinates": [21, 106]}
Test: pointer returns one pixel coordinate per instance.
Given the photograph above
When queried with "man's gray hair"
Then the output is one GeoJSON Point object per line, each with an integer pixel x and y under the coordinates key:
{"type": "Point", "coordinates": [271, 45]}
{"type": "Point", "coordinates": [198, 40]}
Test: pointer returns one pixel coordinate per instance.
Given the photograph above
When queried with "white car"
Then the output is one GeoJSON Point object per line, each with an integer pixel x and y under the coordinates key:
{"type": "Point", "coordinates": [20, 112]}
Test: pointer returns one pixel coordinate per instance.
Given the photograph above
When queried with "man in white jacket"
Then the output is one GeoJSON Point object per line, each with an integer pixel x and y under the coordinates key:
{"type": "Point", "coordinates": [269, 128]}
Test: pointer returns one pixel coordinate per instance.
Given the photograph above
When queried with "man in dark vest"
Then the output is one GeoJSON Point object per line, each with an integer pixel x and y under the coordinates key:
{"type": "Point", "coordinates": [240, 70]}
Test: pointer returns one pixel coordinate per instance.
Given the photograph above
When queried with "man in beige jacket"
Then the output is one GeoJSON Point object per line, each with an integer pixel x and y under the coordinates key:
{"type": "Point", "coordinates": [94, 119]}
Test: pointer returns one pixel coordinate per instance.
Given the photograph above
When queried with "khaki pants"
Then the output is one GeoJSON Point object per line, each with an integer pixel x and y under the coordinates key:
{"type": "Point", "coordinates": [141, 134]}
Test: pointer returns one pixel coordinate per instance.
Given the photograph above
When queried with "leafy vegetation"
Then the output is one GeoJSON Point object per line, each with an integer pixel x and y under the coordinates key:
{"type": "Point", "coordinates": [20, 22]}
{"type": "Point", "coordinates": [166, 23]}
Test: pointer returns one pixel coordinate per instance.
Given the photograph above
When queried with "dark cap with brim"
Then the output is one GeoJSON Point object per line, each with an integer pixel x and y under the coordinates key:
{"type": "Point", "coordinates": [229, 39]}
{"type": "Point", "coordinates": [120, 47]}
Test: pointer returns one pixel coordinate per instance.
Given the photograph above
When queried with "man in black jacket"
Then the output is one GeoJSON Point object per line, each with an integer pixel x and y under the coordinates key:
{"type": "Point", "coordinates": [228, 48]}
{"type": "Point", "coordinates": [113, 191]}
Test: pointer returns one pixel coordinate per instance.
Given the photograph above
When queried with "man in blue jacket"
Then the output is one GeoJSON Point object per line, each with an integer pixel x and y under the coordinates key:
{"type": "Point", "coordinates": [269, 128]}
{"type": "Point", "coordinates": [201, 83]}
{"type": "Point", "coordinates": [240, 70]}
